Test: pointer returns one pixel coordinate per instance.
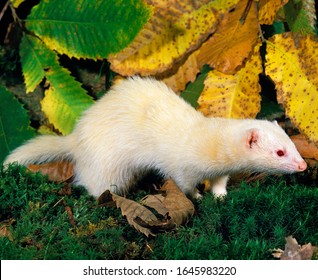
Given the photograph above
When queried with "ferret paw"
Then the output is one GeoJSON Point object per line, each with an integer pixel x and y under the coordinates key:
{"type": "Point", "coordinates": [220, 194]}
{"type": "Point", "coordinates": [197, 196]}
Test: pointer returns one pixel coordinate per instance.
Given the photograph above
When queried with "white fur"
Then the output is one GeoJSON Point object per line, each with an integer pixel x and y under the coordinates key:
{"type": "Point", "coordinates": [140, 124]}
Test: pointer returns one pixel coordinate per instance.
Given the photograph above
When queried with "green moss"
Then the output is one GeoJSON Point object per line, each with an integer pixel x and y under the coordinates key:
{"type": "Point", "coordinates": [249, 222]}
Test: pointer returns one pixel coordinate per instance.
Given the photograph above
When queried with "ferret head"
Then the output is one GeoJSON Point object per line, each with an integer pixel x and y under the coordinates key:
{"type": "Point", "coordinates": [271, 150]}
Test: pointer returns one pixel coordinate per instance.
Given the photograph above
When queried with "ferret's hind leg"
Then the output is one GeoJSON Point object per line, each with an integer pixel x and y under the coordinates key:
{"type": "Point", "coordinates": [219, 186]}
{"type": "Point", "coordinates": [98, 177]}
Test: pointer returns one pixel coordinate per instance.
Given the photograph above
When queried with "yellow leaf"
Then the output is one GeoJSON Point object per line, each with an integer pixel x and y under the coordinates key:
{"type": "Point", "coordinates": [268, 10]}
{"type": "Point", "coordinates": [16, 3]}
{"type": "Point", "coordinates": [227, 49]}
{"type": "Point", "coordinates": [176, 28]}
{"type": "Point", "coordinates": [187, 72]}
{"type": "Point", "coordinates": [293, 66]}
{"type": "Point", "coordinates": [233, 96]}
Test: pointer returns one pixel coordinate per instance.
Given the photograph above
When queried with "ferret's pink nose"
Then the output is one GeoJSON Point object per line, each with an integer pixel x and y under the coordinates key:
{"type": "Point", "coordinates": [302, 166]}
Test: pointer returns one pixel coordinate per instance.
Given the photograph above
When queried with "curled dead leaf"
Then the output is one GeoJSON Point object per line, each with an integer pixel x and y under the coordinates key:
{"type": "Point", "coordinates": [56, 171]}
{"type": "Point", "coordinates": [293, 251]}
{"type": "Point", "coordinates": [277, 253]}
{"type": "Point", "coordinates": [170, 203]}
{"type": "Point", "coordinates": [131, 209]}
{"type": "Point", "coordinates": [171, 200]}
{"type": "Point", "coordinates": [5, 229]}
{"type": "Point", "coordinates": [160, 225]}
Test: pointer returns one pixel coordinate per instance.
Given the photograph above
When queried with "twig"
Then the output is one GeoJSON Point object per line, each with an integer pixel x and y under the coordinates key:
{"type": "Point", "coordinates": [14, 14]}
{"type": "Point", "coordinates": [260, 33]}
{"type": "Point", "coordinates": [4, 9]}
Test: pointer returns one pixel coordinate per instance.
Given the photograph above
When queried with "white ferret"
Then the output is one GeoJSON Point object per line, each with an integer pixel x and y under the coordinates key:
{"type": "Point", "coordinates": [141, 124]}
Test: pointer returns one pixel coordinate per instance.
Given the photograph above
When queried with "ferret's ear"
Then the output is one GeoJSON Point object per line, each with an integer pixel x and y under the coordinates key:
{"type": "Point", "coordinates": [252, 138]}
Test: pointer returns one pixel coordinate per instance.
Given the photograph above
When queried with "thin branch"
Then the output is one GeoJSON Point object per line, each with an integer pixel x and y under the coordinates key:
{"type": "Point", "coordinates": [14, 14]}
{"type": "Point", "coordinates": [4, 9]}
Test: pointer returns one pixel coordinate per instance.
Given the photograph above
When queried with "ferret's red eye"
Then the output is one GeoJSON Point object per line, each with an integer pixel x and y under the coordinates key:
{"type": "Point", "coordinates": [280, 153]}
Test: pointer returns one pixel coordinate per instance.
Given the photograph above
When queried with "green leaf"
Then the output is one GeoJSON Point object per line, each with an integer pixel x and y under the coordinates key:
{"type": "Point", "coordinates": [88, 29]}
{"type": "Point", "coordinates": [301, 16]}
{"type": "Point", "coordinates": [34, 59]}
{"type": "Point", "coordinates": [14, 123]}
{"type": "Point", "coordinates": [65, 99]}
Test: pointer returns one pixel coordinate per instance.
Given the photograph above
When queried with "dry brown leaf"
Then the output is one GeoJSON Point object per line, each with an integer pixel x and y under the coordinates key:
{"type": "Point", "coordinates": [5, 230]}
{"type": "Point", "coordinates": [131, 209]}
{"type": "Point", "coordinates": [161, 225]}
{"type": "Point", "coordinates": [56, 171]}
{"type": "Point", "coordinates": [277, 253]}
{"type": "Point", "coordinates": [233, 41]}
{"type": "Point", "coordinates": [172, 202]}
{"type": "Point", "coordinates": [306, 148]}
{"type": "Point", "coordinates": [293, 251]}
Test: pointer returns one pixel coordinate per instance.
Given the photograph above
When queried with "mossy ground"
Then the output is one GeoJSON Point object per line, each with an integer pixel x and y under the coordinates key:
{"type": "Point", "coordinates": [247, 224]}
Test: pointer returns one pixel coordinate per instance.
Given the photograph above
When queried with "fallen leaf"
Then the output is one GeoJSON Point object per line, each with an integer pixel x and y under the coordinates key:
{"type": "Point", "coordinates": [56, 171]}
{"type": "Point", "coordinates": [161, 225]}
{"type": "Point", "coordinates": [5, 229]}
{"type": "Point", "coordinates": [293, 251]}
{"type": "Point", "coordinates": [131, 209]}
{"type": "Point", "coordinates": [171, 201]}
{"type": "Point", "coordinates": [277, 253]}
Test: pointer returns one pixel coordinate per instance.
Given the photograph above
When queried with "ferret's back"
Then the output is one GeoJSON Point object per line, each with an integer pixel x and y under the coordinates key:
{"type": "Point", "coordinates": [146, 91]}
{"type": "Point", "coordinates": [138, 100]}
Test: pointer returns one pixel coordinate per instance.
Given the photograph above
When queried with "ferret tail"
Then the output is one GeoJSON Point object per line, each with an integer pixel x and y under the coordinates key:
{"type": "Point", "coordinates": [41, 149]}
